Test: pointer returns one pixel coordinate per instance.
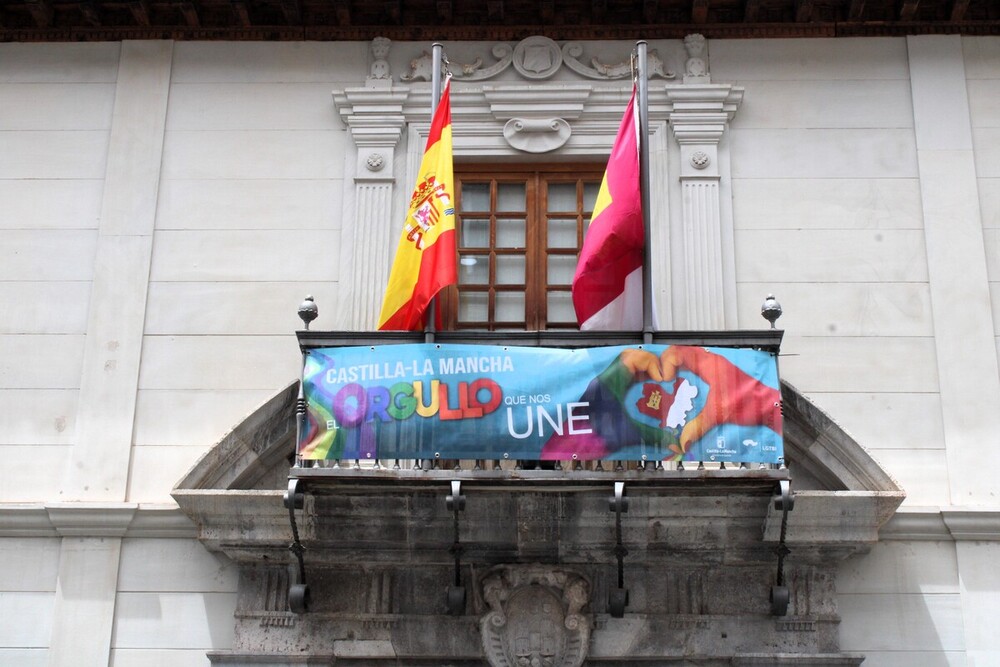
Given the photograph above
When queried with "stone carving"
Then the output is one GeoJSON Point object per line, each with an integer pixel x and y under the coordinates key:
{"type": "Point", "coordinates": [700, 159]}
{"type": "Point", "coordinates": [379, 71]}
{"type": "Point", "coordinates": [536, 135]}
{"type": "Point", "coordinates": [696, 69]}
{"type": "Point", "coordinates": [375, 162]}
{"type": "Point", "coordinates": [572, 51]}
{"type": "Point", "coordinates": [536, 58]}
{"type": "Point", "coordinates": [535, 617]}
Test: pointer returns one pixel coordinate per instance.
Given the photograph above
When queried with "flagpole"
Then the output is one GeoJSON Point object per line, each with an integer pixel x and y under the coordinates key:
{"type": "Point", "coordinates": [647, 281]}
{"type": "Point", "coordinates": [436, 49]}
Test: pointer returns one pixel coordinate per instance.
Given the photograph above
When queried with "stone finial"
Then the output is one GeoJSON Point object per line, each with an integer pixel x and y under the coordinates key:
{"type": "Point", "coordinates": [770, 310]}
{"type": "Point", "coordinates": [696, 67]}
{"type": "Point", "coordinates": [379, 75]}
{"type": "Point", "coordinates": [308, 311]}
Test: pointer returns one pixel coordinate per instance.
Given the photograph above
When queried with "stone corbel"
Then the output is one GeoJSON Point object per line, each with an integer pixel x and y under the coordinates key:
{"type": "Point", "coordinates": [376, 121]}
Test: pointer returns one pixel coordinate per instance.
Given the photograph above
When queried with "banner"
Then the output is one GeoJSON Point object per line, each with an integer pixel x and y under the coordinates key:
{"type": "Point", "coordinates": [650, 402]}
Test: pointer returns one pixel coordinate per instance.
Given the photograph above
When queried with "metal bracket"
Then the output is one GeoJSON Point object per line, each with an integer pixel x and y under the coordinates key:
{"type": "Point", "coordinates": [298, 593]}
{"type": "Point", "coordinates": [618, 597]}
{"type": "Point", "coordinates": [455, 502]}
{"type": "Point", "coordinates": [780, 596]}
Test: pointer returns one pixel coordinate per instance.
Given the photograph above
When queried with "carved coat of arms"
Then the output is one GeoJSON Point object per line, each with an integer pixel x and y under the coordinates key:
{"type": "Point", "coordinates": [535, 617]}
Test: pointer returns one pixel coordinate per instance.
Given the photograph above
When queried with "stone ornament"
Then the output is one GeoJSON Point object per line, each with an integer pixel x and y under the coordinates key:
{"type": "Point", "coordinates": [538, 58]}
{"type": "Point", "coordinates": [535, 617]}
{"type": "Point", "coordinates": [380, 65]}
{"type": "Point", "coordinates": [536, 135]}
{"type": "Point", "coordinates": [375, 162]}
{"type": "Point", "coordinates": [696, 67]}
{"type": "Point", "coordinates": [700, 159]}
{"type": "Point", "coordinates": [572, 51]}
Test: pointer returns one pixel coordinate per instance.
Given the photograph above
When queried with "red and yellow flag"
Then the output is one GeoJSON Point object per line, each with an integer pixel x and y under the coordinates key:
{"type": "Point", "coordinates": [426, 257]}
{"type": "Point", "coordinates": [607, 285]}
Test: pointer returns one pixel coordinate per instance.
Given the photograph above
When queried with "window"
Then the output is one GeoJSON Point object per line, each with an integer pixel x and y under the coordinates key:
{"type": "Point", "coordinates": [519, 234]}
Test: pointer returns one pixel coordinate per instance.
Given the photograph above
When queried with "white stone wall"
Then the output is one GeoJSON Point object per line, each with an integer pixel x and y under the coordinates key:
{"type": "Point", "coordinates": [165, 206]}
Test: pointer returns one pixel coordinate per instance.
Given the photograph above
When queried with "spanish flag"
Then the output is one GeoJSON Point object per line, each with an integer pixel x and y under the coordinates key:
{"type": "Point", "coordinates": [607, 285]}
{"type": "Point", "coordinates": [426, 256]}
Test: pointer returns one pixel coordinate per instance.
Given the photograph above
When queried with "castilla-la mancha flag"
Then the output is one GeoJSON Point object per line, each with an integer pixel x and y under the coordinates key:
{"type": "Point", "coordinates": [426, 258]}
{"type": "Point", "coordinates": [607, 286]}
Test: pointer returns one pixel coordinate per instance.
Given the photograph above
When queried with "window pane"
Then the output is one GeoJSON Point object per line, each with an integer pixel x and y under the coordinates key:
{"type": "Point", "coordinates": [475, 196]}
{"type": "Point", "coordinates": [475, 232]}
{"type": "Point", "coordinates": [510, 197]}
{"type": "Point", "coordinates": [562, 197]}
{"type": "Point", "coordinates": [561, 269]}
{"type": "Point", "coordinates": [473, 307]}
{"type": "Point", "coordinates": [510, 269]}
{"type": "Point", "coordinates": [474, 270]}
{"type": "Point", "coordinates": [510, 233]}
{"type": "Point", "coordinates": [562, 232]}
{"type": "Point", "coordinates": [510, 306]}
{"type": "Point", "coordinates": [561, 308]}
{"type": "Point", "coordinates": [590, 195]}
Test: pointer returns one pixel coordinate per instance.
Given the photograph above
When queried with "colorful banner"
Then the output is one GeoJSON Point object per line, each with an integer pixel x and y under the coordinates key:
{"type": "Point", "coordinates": [652, 402]}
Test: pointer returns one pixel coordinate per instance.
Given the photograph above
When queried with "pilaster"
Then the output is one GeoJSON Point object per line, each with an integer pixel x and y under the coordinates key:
{"type": "Point", "coordinates": [374, 116]}
{"type": "Point", "coordinates": [703, 271]}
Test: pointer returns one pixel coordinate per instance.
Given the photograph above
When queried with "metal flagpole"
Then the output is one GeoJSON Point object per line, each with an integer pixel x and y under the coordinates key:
{"type": "Point", "coordinates": [647, 281]}
{"type": "Point", "coordinates": [436, 50]}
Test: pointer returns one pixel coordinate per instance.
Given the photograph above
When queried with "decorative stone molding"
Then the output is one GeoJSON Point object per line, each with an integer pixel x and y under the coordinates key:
{"type": "Point", "coordinates": [533, 135]}
{"type": "Point", "coordinates": [380, 75]}
{"type": "Point", "coordinates": [536, 58]}
{"type": "Point", "coordinates": [696, 66]}
{"type": "Point", "coordinates": [535, 617]}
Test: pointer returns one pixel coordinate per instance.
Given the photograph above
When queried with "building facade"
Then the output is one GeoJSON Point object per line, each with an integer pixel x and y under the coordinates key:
{"type": "Point", "coordinates": [167, 204]}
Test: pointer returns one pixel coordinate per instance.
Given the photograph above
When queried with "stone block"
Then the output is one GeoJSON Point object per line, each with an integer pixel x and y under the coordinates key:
{"type": "Point", "coordinates": [24, 657]}
{"type": "Point", "coordinates": [278, 62]}
{"type": "Point", "coordinates": [841, 309]}
{"type": "Point", "coordinates": [37, 417]}
{"type": "Point", "coordinates": [53, 154]}
{"type": "Point", "coordinates": [191, 418]}
{"type": "Point", "coordinates": [300, 204]}
{"type": "Point", "coordinates": [50, 204]}
{"type": "Point", "coordinates": [59, 62]}
{"type": "Point", "coordinates": [56, 106]}
{"type": "Point", "coordinates": [154, 471]}
{"type": "Point", "coordinates": [236, 362]}
{"type": "Point", "coordinates": [252, 106]}
{"type": "Point", "coordinates": [173, 620]}
{"type": "Point", "coordinates": [250, 255]}
{"type": "Point", "coordinates": [827, 364]}
{"type": "Point", "coordinates": [891, 255]}
{"type": "Point", "coordinates": [173, 565]}
{"type": "Point", "coordinates": [29, 565]}
{"type": "Point", "coordinates": [897, 567]}
{"type": "Point", "coordinates": [923, 474]}
{"type": "Point", "coordinates": [825, 104]}
{"type": "Point", "coordinates": [129, 657]}
{"type": "Point", "coordinates": [27, 619]}
{"type": "Point", "coordinates": [982, 57]}
{"type": "Point", "coordinates": [823, 153]}
{"type": "Point", "coordinates": [884, 622]}
{"type": "Point", "coordinates": [987, 151]}
{"type": "Point", "coordinates": [980, 580]}
{"type": "Point", "coordinates": [984, 102]}
{"type": "Point", "coordinates": [34, 307]}
{"type": "Point", "coordinates": [887, 420]}
{"type": "Point", "coordinates": [47, 255]}
{"type": "Point", "coordinates": [254, 154]}
{"type": "Point", "coordinates": [812, 59]}
{"type": "Point", "coordinates": [40, 362]}
{"type": "Point", "coordinates": [831, 203]}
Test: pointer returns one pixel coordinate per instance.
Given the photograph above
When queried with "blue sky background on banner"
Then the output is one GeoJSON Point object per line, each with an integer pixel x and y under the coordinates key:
{"type": "Point", "coordinates": [355, 396]}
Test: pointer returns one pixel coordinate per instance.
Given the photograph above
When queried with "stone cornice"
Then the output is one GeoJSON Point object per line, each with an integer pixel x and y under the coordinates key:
{"type": "Point", "coordinates": [134, 520]}
{"type": "Point", "coordinates": [94, 520]}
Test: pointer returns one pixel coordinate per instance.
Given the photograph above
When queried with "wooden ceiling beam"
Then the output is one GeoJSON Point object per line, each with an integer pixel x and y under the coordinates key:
{"type": "Point", "coordinates": [958, 10]}
{"type": "Point", "coordinates": [89, 13]}
{"type": "Point", "coordinates": [140, 12]}
{"type": "Point", "coordinates": [908, 10]}
{"type": "Point", "coordinates": [699, 11]}
{"type": "Point", "coordinates": [548, 10]}
{"type": "Point", "coordinates": [856, 11]}
{"type": "Point", "coordinates": [598, 9]}
{"type": "Point", "coordinates": [342, 10]}
{"type": "Point", "coordinates": [444, 10]}
{"type": "Point", "coordinates": [42, 12]}
{"type": "Point", "coordinates": [751, 11]}
{"type": "Point", "coordinates": [190, 14]}
{"type": "Point", "coordinates": [650, 10]}
{"type": "Point", "coordinates": [494, 10]}
{"type": "Point", "coordinates": [803, 11]}
{"type": "Point", "coordinates": [394, 12]}
{"type": "Point", "coordinates": [241, 13]}
{"type": "Point", "coordinates": [292, 12]}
